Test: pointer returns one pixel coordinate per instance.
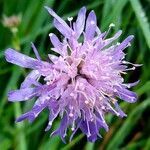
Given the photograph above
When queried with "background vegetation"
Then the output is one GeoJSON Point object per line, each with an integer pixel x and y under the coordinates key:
{"type": "Point", "coordinates": [131, 133]}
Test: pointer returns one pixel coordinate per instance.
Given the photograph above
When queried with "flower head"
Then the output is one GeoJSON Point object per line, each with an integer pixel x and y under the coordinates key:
{"type": "Point", "coordinates": [82, 83]}
{"type": "Point", "coordinates": [12, 21]}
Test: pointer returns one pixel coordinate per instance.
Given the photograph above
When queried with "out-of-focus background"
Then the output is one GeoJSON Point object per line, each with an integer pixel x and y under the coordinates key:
{"type": "Point", "coordinates": [23, 21]}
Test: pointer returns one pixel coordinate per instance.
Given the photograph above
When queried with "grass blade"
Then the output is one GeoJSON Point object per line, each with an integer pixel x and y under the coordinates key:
{"type": "Point", "coordinates": [115, 13]}
{"type": "Point", "coordinates": [142, 19]}
{"type": "Point", "coordinates": [73, 142]}
{"type": "Point", "coordinates": [128, 125]}
{"type": "Point", "coordinates": [89, 146]}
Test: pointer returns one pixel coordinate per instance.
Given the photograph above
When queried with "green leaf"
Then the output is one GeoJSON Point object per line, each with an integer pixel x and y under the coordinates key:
{"type": "Point", "coordinates": [147, 145]}
{"type": "Point", "coordinates": [142, 19]}
{"type": "Point", "coordinates": [89, 146]}
{"type": "Point", "coordinates": [128, 125]}
{"type": "Point", "coordinates": [30, 14]}
{"type": "Point", "coordinates": [143, 89]}
{"type": "Point", "coordinates": [113, 17]}
{"type": "Point", "coordinates": [135, 145]}
{"type": "Point", "coordinates": [11, 84]}
{"type": "Point", "coordinates": [5, 144]}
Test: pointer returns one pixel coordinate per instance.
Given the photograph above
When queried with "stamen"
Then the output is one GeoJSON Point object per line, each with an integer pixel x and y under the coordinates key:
{"type": "Point", "coordinates": [70, 19]}
{"type": "Point", "coordinates": [47, 97]}
{"type": "Point", "coordinates": [51, 34]}
{"type": "Point", "coordinates": [110, 58]}
{"type": "Point", "coordinates": [65, 134]}
{"type": "Point", "coordinates": [73, 126]}
{"type": "Point", "coordinates": [113, 110]}
{"type": "Point", "coordinates": [71, 115]}
{"type": "Point", "coordinates": [86, 102]}
{"type": "Point", "coordinates": [72, 94]}
{"type": "Point", "coordinates": [92, 119]}
{"type": "Point", "coordinates": [103, 107]}
{"type": "Point", "coordinates": [88, 128]}
{"type": "Point", "coordinates": [136, 65]}
{"type": "Point", "coordinates": [115, 90]}
{"type": "Point", "coordinates": [118, 43]}
{"type": "Point", "coordinates": [71, 107]}
{"type": "Point", "coordinates": [100, 113]}
{"type": "Point", "coordinates": [48, 83]}
{"type": "Point", "coordinates": [110, 27]}
{"type": "Point", "coordinates": [133, 68]}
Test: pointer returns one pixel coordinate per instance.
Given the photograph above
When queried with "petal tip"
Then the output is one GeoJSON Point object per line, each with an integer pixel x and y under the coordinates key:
{"type": "Point", "coordinates": [83, 8]}
{"type": "Point", "coordinates": [131, 37]}
{"type": "Point", "coordinates": [46, 7]}
{"type": "Point", "coordinates": [8, 52]}
{"type": "Point", "coordinates": [50, 10]}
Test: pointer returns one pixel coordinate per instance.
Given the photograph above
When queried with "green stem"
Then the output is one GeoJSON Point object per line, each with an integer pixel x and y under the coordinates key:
{"type": "Point", "coordinates": [21, 139]}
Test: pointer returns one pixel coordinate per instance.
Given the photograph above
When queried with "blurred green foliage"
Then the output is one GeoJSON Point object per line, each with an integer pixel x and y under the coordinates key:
{"type": "Point", "coordinates": [132, 16]}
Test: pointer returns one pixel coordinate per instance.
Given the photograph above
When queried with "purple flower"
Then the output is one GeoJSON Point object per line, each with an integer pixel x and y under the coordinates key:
{"type": "Point", "coordinates": [83, 83]}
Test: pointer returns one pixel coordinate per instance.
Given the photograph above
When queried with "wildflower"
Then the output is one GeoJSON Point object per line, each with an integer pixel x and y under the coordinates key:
{"type": "Point", "coordinates": [82, 84]}
{"type": "Point", "coordinates": [12, 21]}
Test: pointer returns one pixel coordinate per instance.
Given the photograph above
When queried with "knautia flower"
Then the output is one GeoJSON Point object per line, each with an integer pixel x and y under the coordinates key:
{"type": "Point", "coordinates": [82, 83]}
